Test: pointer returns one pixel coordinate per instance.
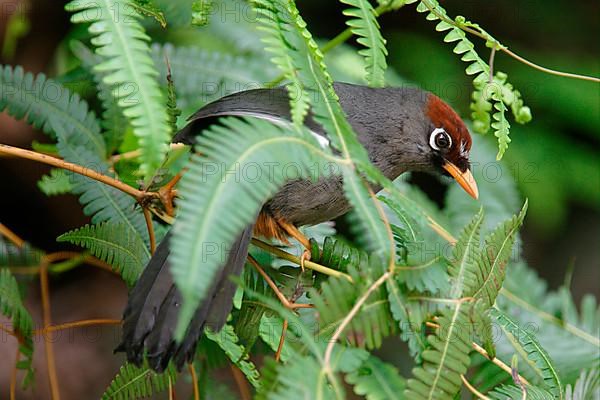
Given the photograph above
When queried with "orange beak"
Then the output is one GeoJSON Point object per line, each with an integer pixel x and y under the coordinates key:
{"type": "Point", "coordinates": [464, 179]}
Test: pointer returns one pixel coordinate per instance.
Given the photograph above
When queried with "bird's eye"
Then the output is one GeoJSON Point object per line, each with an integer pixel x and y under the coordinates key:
{"type": "Point", "coordinates": [439, 139]}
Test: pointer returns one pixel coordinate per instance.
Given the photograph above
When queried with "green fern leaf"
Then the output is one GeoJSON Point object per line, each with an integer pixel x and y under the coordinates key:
{"type": "Point", "coordinates": [114, 244]}
{"type": "Point", "coordinates": [200, 75]}
{"type": "Point", "coordinates": [47, 105]}
{"type": "Point", "coordinates": [133, 382]}
{"type": "Point", "coordinates": [586, 387]}
{"type": "Point", "coordinates": [336, 298]}
{"type": "Point", "coordinates": [58, 181]}
{"type": "Point", "coordinates": [11, 305]}
{"type": "Point", "coordinates": [376, 380]}
{"type": "Point", "coordinates": [149, 9]}
{"type": "Point", "coordinates": [364, 25]}
{"type": "Point", "coordinates": [228, 342]}
{"type": "Point", "coordinates": [464, 255]}
{"type": "Point", "coordinates": [200, 12]}
{"type": "Point", "coordinates": [113, 121]}
{"type": "Point", "coordinates": [536, 355]}
{"type": "Point", "coordinates": [123, 45]}
{"type": "Point", "coordinates": [505, 392]}
{"type": "Point", "coordinates": [446, 359]}
{"type": "Point", "coordinates": [232, 148]}
{"type": "Point", "coordinates": [501, 128]}
{"type": "Point", "coordinates": [300, 378]}
{"type": "Point", "coordinates": [486, 279]}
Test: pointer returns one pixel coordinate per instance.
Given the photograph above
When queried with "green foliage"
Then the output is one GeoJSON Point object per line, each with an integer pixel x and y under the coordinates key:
{"type": "Point", "coordinates": [114, 244]}
{"type": "Point", "coordinates": [536, 355]}
{"type": "Point", "coordinates": [58, 181]}
{"type": "Point", "coordinates": [446, 358]}
{"type": "Point", "coordinates": [228, 342]}
{"type": "Point", "coordinates": [376, 380]}
{"type": "Point", "coordinates": [123, 46]}
{"type": "Point", "coordinates": [133, 382]}
{"type": "Point", "coordinates": [364, 25]}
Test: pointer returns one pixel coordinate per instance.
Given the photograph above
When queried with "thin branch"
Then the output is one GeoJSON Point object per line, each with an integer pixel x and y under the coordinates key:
{"type": "Point", "coordinates": [11, 236]}
{"type": "Point", "coordinates": [292, 258]}
{"type": "Point", "coordinates": [137, 153]}
{"type": "Point", "coordinates": [47, 318]}
{"type": "Point", "coordinates": [340, 329]}
{"type": "Point", "coordinates": [241, 382]}
{"type": "Point", "coordinates": [13, 377]}
{"type": "Point", "coordinates": [194, 378]}
{"type": "Point", "coordinates": [497, 361]}
{"type": "Point", "coordinates": [281, 340]}
{"type": "Point", "coordinates": [139, 195]}
{"type": "Point", "coordinates": [473, 390]}
{"type": "Point", "coordinates": [150, 227]}
{"type": "Point", "coordinates": [507, 51]}
{"type": "Point", "coordinates": [76, 324]}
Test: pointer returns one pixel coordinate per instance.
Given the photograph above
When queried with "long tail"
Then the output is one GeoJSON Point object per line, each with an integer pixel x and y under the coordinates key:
{"type": "Point", "coordinates": [152, 310]}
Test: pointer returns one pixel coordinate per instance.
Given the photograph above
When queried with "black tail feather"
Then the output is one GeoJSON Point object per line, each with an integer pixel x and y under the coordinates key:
{"type": "Point", "coordinates": [152, 310]}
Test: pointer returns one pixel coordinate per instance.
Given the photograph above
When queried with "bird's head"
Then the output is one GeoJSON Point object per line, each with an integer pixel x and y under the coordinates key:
{"type": "Point", "coordinates": [448, 142]}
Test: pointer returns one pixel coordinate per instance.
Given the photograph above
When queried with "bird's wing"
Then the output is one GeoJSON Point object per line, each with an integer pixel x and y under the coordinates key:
{"type": "Point", "coordinates": [269, 104]}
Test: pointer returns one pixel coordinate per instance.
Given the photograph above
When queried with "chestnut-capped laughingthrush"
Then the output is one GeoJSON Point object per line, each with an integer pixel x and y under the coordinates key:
{"type": "Point", "coordinates": [402, 129]}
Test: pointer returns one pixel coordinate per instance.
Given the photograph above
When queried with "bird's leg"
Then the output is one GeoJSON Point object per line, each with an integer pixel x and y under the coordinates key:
{"type": "Point", "coordinates": [299, 236]}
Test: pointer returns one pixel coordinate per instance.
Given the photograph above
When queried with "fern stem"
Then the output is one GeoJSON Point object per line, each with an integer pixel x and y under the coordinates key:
{"type": "Point", "coordinates": [194, 378]}
{"type": "Point", "coordinates": [473, 390]}
{"type": "Point", "coordinates": [13, 376]}
{"type": "Point", "coordinates": [139, 195]}
{"type": "Point", "coordinates": [47, 321]}
{"type": "Point", "coordinates": [150, 227]}
{"type": "Point", "coordinates": [498, 362]}
{"type": "Point", "coordinates": [340, 329]}
{"type": "Point", "coordinates": [11, 236]}
{"type": "Point", "coordinates": [509, 52]}
{"type": "Point", "coordinates": [296, 260]}
{"type": "Point", "coordinates": [241, 382]}
{"type": "Point", "coordinates": [76, 324]}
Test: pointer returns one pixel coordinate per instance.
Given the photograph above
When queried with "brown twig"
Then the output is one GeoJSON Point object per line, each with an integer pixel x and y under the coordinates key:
{"type": "Point", "coordinates": [473, 390]}
{"type": "Point", "coordinates": [76, 324]}
{"type": "Point", "coordinates": [13, 377]}
{"type": "Point", "coordinates": [47, 318]}
{"type": "Point", "coordinates": [150, 227]}
{"type": "Point", "coordinates": [241, 382]}
{"type": "Point", "coordinates": [139, 195]}
{"type": "Point", "coordinates": [497, 361]}
{"type": "Point", "coordinates": [290, 257]}
{"type": "Point", "coordinates": [11, 236]}
{"type": "Point", "coordinates": [194, 378]}
{"type": "Point", "coordinates": [281, 340]}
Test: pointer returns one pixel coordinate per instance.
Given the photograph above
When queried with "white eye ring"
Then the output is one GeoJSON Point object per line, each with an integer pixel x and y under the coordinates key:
{"type": "Point", "coordinates": [434, 134]}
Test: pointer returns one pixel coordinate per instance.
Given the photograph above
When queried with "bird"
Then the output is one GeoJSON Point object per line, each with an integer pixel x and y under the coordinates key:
{"type": "Point", "coordinates": [402, 129]}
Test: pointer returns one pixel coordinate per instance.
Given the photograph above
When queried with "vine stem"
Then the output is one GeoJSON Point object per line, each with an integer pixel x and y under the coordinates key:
{"type": "Point", "coordinates": [139, 195]}
{"type": "Point", "coordinates": [241, 382]}
{"type": "Point", "coordinates": [194, 378]}
{"type": "Point", "coordinates": [13, 377]}
{"type": "Point", "coordinates": [505, 50]}
{"type": "Point", "coordinates": [47, 321]}
{"type": "Point", "coordinates": [498, 362]}
{"type": "Point", "coordinates": [340, 329]}
{"type": "Point", "coordinates": [472, 389]}
{"type": "Point", "coordinates": [76, 324]}
{"type": "Point", "coordinates": [11, 236]}
{"type": "Point", "coordinates": [296, 260]}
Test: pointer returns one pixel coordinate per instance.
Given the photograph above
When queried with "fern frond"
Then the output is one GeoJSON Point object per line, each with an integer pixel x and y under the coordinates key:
{"type": "Point", "coordinates": [123, 45]}
{"type": "Point", "coordinates": [113, 121]}
{"type": "Point", "coordinates": [228, 342]}
{"type": "Point", "coordinates": [487, 276]}
{"type": "Point", "coordinates": [446, 358]}
{"type": "Point", "coordinates": [231, 148]}
{"type": "Point", "coordinates": [11, 305]}
{"type": "Point", "coordinates": [501, 128]}
{"type": "Point", "coordinates": [300, 378]}
{"type": "Point", "coordinates": [48, 105]}
{"type": "Point", "coordinates": [376, 380]}
{"type": "Point", "coordinates": [133, 382]}
{"type": "Point", "coordinates": [537, 357]}
{"type": "Point", "coordinates": [586, 387]}
{"type": "Point", "coordinates": [200, 12]}
{"type": "Point", "coordinates": [115, 244]}
{"type": "Point", "coordinates": [464, 255]}
{"type": "Point", "coordinates": [58, 181]}
{"type": "Point", "coordinates": [336, 298]}
{"type": "Point", "coordinates": [200, 75]}
{"type": "Point", "coordinates": [364, 25]}
{"type": "Point", "coordinates": [283, 43]}
{"type": "Point", "coordinates": [513, 392]}
{"type": "Point", "coordinates": [13, 256]}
